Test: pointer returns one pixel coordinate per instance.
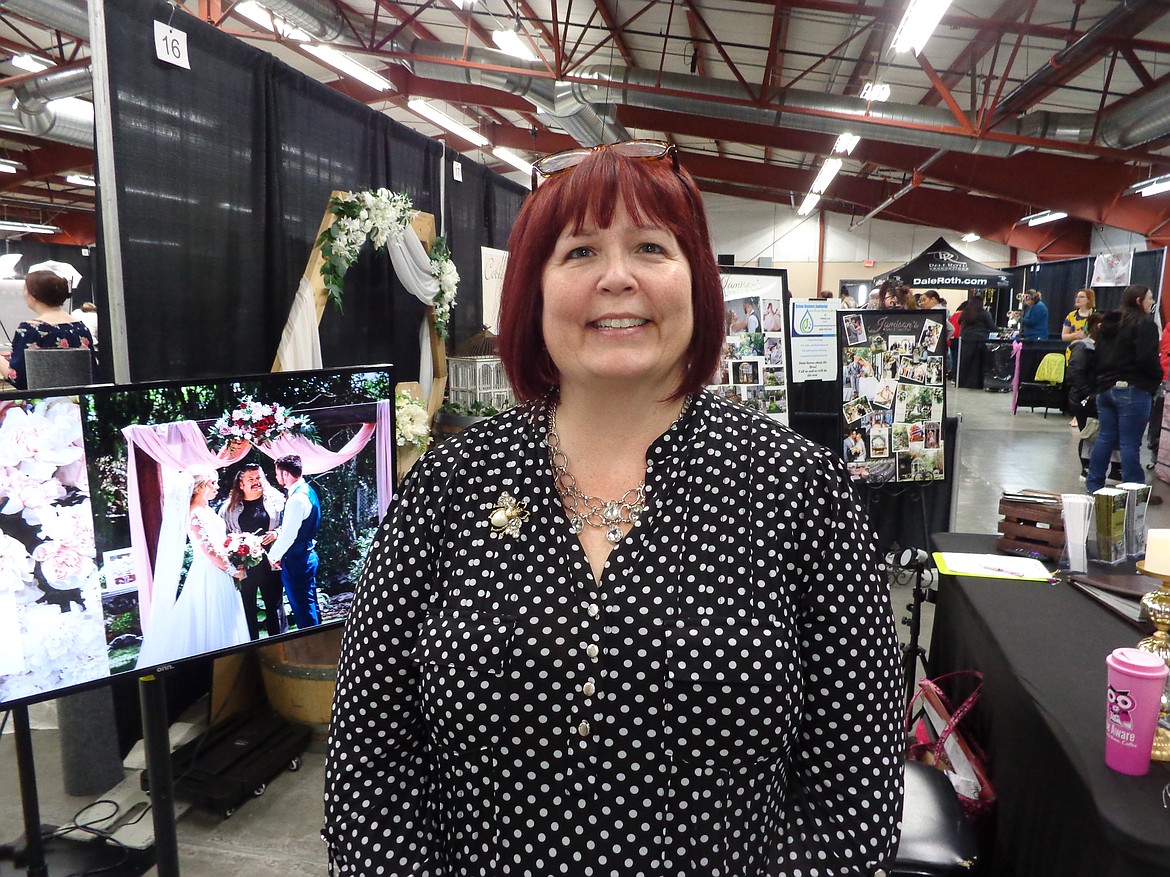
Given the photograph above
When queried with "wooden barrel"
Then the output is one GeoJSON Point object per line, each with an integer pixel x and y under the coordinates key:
{"type": "Point", "coordinates": [300, 676]}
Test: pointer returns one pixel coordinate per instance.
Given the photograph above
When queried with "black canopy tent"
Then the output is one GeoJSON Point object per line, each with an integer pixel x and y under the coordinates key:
{"type": "Point", "coordinates": [941, 266]}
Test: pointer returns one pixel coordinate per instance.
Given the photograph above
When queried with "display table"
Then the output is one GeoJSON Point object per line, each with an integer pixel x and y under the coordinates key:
{"type": "Point", "coordinates": [1041, 718]}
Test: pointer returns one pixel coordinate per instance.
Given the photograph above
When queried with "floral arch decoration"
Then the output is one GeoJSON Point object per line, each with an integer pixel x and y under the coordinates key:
{"type": "Point", "coordinates": [389, 220]}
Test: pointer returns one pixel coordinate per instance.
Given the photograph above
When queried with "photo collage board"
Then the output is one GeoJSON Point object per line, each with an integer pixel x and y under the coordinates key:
{"type": "Point", "coordinates": [893, 381]}
{"type": "Point", "coordinates": [753, 369]}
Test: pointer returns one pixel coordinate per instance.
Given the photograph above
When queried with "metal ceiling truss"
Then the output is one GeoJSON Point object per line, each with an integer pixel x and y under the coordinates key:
{"type": "Point", "coordinates": [1036, 104]}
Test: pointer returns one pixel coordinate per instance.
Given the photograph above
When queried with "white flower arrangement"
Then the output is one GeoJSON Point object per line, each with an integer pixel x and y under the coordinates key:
{"type": "Point", "coordinates": [379, 216]}
{"type": "Point", "coordinates": [411, 424]}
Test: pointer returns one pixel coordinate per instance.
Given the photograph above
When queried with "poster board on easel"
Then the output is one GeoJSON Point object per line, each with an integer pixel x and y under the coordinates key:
{"type": "Point", "coordinates": [893, 395]}
{"type": "Point", "coordinates": [753, 369]}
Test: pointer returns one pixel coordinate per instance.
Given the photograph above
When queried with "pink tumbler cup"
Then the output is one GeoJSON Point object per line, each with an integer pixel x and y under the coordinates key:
{"type": "Point", "coordinates": [1136, 681]}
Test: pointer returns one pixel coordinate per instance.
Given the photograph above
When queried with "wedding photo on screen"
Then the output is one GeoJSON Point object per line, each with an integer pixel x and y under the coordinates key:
{"type": "Point", "coordinates": [149, 524]}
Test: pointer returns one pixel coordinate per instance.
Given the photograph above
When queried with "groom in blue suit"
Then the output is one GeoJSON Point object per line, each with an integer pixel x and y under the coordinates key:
{"type": "Point", "coordinates": [294, 551]}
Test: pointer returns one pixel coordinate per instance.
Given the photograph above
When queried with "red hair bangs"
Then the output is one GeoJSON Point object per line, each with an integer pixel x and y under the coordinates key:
{"type": "Point", "coordinates": [653, 194]}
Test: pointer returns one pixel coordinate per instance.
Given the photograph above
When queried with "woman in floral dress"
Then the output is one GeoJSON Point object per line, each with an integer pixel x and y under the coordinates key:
{"type": "Point", "coordinates": [44, 293]}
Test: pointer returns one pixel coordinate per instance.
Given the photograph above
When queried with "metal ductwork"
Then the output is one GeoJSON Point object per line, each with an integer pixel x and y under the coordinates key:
{"type": "Point", "coordinates": [320, 19]}
{"type": "Point", "coordinates": [30, 111]}
{"type": "Point", "coordinates": [33, 94]}
{"type": "Point", "coordinates": [589, 123]}
{"type": "Point", "coordinates": [1124, 21]}
{"type": "Point", "coordinates": [721, 99]}
{"type": "Point", "coordinates": [68, 16]}
{"type": "Point", "coordinates": [65, 124]}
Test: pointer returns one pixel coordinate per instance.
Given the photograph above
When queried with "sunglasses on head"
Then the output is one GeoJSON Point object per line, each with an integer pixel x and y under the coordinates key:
{"type": "Point", "coordinates": [642, 150]}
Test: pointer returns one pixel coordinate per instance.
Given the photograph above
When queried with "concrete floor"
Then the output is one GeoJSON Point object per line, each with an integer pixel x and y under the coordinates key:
{"type": "Point", "coordinates": [276, 835]}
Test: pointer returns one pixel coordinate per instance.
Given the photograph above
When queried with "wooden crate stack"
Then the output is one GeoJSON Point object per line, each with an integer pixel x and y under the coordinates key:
{"type": "Point", "coordinates": [1034, 527]}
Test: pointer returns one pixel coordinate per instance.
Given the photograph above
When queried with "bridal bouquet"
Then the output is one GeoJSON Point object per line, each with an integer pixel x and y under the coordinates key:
{"type": "Point", "coordinates": [258, 423]}
{"type": "Point", "coordinates": [243, 550]}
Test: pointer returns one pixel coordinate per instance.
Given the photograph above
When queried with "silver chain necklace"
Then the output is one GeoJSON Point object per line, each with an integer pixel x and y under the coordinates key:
{"type": "Point", "coordinates": [583, 509]}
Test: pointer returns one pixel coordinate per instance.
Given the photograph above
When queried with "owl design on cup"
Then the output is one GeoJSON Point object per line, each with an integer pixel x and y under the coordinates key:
{"type": "Point", "coordinates": [1120, 707]}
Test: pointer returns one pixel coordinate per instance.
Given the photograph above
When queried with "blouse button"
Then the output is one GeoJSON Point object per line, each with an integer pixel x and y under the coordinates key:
{"type": "Point", "coordinates": [587, 689]}
{"type": "Point", "coordinates": [583, 729]}
{"type": "Point", "coordinates": [593, 610]}
{"type": "Point", "coordinates": [592, 651]}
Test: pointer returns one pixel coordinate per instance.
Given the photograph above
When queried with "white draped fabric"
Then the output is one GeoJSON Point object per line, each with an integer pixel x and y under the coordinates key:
{"type": "Point", "coordinates": [300, 345]}
{"type": "Point", "coordinates": [173, 446]}
{"type": "Point", "coordinates": [172, 542]}
{"type": "Point", "coordinates": [180, 445]}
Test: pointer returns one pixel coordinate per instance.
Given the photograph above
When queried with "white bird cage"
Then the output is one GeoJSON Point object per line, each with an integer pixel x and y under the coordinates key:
{"type": "Point", "coordinates": [472, 379]}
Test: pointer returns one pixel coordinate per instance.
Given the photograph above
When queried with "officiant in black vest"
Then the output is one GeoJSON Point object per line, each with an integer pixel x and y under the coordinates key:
{"type": "Point", "coordinates": [255, 506]}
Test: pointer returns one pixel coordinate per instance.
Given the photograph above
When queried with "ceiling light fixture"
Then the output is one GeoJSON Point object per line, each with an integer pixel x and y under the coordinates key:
{"type": "Point", "coordinates": [506, 155]}
{"type": "Point", "coordinates": [829, 170]}
{"type": "Point", "coordinates": [268, 20]}
{"type": "Point", "coordinates": [1043, 216]}
{"type": "Point", "coordinates": [29, 227]}
{"type": "Point", "coordinates": [845, 143]}
{"type": "Point", "coordinates": [81, 180]}
{"type": "Point", "coordinates": [806, 206]}
{"type": "Point", "coordinates": [8, 166]}
{"type": "Point", "coordinates": [969, 238]}
{"type": "Point", "coordinates": [31, 63]}
{"type": "Point", "coordinates": [1152, 186]}
{"type": "Point", "coordinates": [511, 43]}
{"type": "Point", "coordinates": [441, 119]}
{"type": "Point", "coordinates": [875, 91]}
{"type": "Point", "coordinates": [919, 22]}
{"type": "Point", "coordinates": [347, 65]}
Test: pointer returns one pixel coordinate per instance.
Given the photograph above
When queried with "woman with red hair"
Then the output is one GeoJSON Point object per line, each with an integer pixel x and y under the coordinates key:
{"type": "Point", "coordinates": [627, 627]}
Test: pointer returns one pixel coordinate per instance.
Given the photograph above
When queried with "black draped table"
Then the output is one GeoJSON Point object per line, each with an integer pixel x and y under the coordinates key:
{"type": "Point", "coordinates": [1041, 718]}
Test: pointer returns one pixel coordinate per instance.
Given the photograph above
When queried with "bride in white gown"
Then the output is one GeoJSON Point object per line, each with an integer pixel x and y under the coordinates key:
{"type": "Point", "coordinates": [208, 613]}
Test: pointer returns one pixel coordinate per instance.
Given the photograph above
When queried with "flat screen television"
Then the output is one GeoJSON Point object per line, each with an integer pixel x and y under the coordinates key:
{"type": "Point", "coordinates": [97, 525]}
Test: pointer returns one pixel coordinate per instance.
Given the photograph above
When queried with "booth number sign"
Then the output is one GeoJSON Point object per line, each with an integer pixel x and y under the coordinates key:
{"type": "Point", "coordinates": [170, 45]}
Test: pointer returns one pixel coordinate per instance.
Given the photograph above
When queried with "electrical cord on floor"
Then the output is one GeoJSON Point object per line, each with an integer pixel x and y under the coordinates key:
{"type": "Point", "coordinates": [90, 828]}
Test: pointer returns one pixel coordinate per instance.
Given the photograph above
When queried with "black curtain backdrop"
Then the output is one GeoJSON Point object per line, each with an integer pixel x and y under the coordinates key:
{"type": "Point", "coordinates": [1059, 281]}
{"type": "Point", "coordinates": [224, 173]}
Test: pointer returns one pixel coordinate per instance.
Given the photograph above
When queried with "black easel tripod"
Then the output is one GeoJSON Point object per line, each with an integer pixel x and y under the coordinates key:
{"type": "Point", "coordinates": [155, 736]}
{"type": "Point", "coordinates": [914, 560]}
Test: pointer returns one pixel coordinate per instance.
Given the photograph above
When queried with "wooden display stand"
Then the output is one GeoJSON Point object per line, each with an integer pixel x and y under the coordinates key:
{"type": "Point", "coordinates": [1031, 527]}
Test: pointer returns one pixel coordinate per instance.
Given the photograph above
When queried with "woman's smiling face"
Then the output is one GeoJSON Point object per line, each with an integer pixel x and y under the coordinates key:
{"type": "Point", "coordinates": [617, 306]}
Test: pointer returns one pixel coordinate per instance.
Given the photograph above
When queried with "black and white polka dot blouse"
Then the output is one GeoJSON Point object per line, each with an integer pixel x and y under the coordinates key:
{"type": "Point", "coordinates": [725, 702]}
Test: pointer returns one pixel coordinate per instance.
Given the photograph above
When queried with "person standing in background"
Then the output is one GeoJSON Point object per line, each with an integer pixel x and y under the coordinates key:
{"type": "Point", "coordinates": [1128, 375]}
{"type": "Point", "coordinates": [1034, 322]}
{"type": "Point", "coordinates": [1073, 328]}
{"type": "Point", "coordinates": [976, 326]}
{"type": "Point", "coordinates": [44, 293]}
